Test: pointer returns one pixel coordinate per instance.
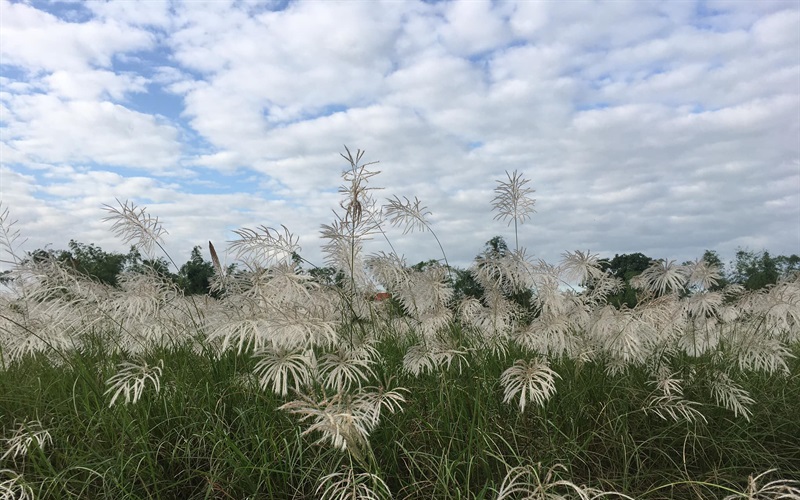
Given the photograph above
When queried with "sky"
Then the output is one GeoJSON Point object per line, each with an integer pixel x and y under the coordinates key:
{"type": "Point", "coordinates": [666, 128]}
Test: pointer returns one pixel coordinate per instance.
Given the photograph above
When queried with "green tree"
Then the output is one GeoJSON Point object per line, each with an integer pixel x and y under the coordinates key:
{"type": "Point", "coordinates": [91, 260]}
{"type": "Point", "coordinates": [94, 262]}
{"type": "Point", "coordinates": [788, 266]}
{"type": "Point", "coordinates": [712, 258]}
{"type": "Point", "coordinates": [194, 276]}
{"type": "Point", "coordinates": [327, 276]}
{"type": "Point", "coordinates": [136, 264]}
{"type": "Point", "coordinates": [625, 267]}
{"type": "Point", "coordinates": [465, 285]}
{"type": "Point", "coordinates": [495, 247]}
{"type": "Point", "coordinates": [755, 270]}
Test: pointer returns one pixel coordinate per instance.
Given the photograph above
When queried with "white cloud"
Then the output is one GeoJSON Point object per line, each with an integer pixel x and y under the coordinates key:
{"type": "Point", "coordinates": [780, 30]}
{"type": "Point", "coordinates": [38, 40]}
{"type": "Point", "coordinates": [134, 12]}
{"type": "Point", "coordinates": [527, 18]}
{"type": "Point", "coordinates": [660, 127]}
{"type": "Point", "coordinates": [17, 189]}
{"type": "Point", "coordinates": [94, 84]}
{"type": "Point", "coordinates": [473, 27]}
{"type": "Point", "coordinates": [45, 128]}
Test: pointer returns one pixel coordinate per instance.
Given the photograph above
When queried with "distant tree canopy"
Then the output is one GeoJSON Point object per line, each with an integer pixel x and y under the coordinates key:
{"type": "Point", "coordinates": [160, 265]}
{"type": "Point", "coordinates": [327, 276]}
{"type": "Point", "coordinates": [92, 261]}
{"type": "Point", "coordinates": [465, 285]}
{"type": "Point", "coordinates": [754, 270]}
{"type": "Point", "coordinates": [625, 267]}
{"type": "Point", "coordinates": [751, 269]}
{"type": "Point", "coordinates": [195, 275]}
{"type": "Point", "coordinates": [495, 247]}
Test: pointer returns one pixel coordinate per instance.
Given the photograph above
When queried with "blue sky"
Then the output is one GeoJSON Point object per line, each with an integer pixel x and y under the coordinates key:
{"type": "Point", "coordinates": [665, 128]}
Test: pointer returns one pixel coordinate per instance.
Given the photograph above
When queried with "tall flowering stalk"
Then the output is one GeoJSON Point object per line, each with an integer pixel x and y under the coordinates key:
{"type": "Point", "coordinates": [262, 247]}
{"type": "Point", "coordinates": [513, 202]}
{"type": "Point", "coordinates": [135, 225]}
{"type": "Point", "coordinates": [360, 219]}
{"type": "Point", "coordinates": [413, 216]}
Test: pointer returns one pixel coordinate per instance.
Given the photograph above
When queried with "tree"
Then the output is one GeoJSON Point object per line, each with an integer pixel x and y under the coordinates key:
{"type": "Point", "coordinates": [160, 266]}
{"type": "Point", "coordinates": [194, 276]}
{"type": "Point", "coordinates": [424, 264]}
{"type": "Point", "coordinates": [327, 276]}
{"type": "Point", "coordinates": [97, 264]}
{"type": "Point", "coordinates": [465, 285]}
{"type": "Point", "coordinates": [625, 267]}
{"type": "Point", "coordinates": [788, 266]}
{"type": "Point", "coordinates": [89, 260]}
{"type": "Point", "coordinates": [754, 271]}
{"type": "Point", "coordinates": [495, 247]}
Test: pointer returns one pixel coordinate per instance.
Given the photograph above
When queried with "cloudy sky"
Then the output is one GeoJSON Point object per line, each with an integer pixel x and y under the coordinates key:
{"type": "Point", "coordinates": [658, 127]}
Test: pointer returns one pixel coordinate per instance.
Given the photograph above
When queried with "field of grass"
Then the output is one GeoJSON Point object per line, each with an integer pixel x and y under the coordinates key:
{"type": "Point", "coordinates": [288, 388]}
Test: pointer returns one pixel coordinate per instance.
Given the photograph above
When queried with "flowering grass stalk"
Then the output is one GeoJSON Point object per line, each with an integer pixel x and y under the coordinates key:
{"type": "Point", "coordinates": [131, 379]}
{"type": "Point", "coordinates": [135, 225]}
{"type": "Point", "coordinates": [13, 487]}
{"type": "Point", "coordinates": [533, 381]}
{"type": "Point", "coordinates": [530, 482]}
{"type": "Point", "coordinates": [348, 485]}
{"type": "Point", "coordinates": [780, 489]}
{"type": "Point", "coordinates": [513, 202]}
{"type": "Point", "coordinates": [24, 437]}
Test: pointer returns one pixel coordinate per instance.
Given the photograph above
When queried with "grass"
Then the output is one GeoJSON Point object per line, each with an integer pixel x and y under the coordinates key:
{"type": "Point", "coordinates": [287, 388]}
{"type": "Point", "coordinates": [213, 433]}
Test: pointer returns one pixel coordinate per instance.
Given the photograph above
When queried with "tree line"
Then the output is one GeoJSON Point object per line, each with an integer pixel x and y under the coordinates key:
{"type": "Point", "coordinates": [90, 260]}
{"type": "Point", "coordinates": [751, 269]}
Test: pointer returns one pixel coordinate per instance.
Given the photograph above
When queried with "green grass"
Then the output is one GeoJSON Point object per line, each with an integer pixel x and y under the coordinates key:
{"type": "Point", "coordinates": [212, 433]}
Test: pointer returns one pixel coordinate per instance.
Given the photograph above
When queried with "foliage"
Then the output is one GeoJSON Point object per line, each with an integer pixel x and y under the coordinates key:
{"type": "Point", "coordinates": [89, 260]}
{"type": "Point", "coordinates": [194, 277]}
{"type": "Point", "coordinates": [625, 267]}
{"type": "Point", "coordinates": [755, 270]}
{"type": "Point", "coordinates": [327, 276]}
{"type": "Point", "coordinates": [159, 266]}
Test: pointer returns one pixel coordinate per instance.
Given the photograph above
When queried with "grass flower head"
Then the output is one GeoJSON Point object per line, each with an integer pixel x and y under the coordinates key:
{"type": "Point", "coordinates": [130, 381]}
{"type": "Point", "coordinates": [13, 487]}
{"type": "Point", "coordinates": [533, 381]}
{"type": "Point", "coordinates": [25, 435]}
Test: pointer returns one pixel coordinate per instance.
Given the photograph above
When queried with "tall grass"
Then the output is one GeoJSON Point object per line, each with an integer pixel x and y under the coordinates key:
{"type": "Point", "coordinates": [286, 387]}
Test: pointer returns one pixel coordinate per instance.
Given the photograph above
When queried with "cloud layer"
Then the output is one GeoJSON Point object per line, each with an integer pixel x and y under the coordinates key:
{"type": "Point", "coordinates": [658, 127]}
